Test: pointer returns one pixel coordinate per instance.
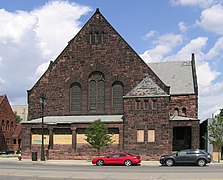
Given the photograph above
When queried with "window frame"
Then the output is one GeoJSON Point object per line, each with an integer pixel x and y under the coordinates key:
{"type": "Point", "coordinates": [140, 136]}
{"type": "Point", "coordinates": [153, 138]}
{"type": "Point", "coordinates": [73, 98]}
{"type": "Point", "coordinates": [116, 98]}
{"type": "Point", "coordinates": [96, 77]}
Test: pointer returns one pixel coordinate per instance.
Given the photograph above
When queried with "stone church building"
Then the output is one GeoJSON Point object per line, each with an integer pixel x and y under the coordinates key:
{"type": "Point", "coordinates": [150, 109]}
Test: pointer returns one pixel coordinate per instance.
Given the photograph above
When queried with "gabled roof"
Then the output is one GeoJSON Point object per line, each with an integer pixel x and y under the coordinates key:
{"type": "Point", "coordinates": [146, 88]}
{"type": "Point", "coordinates": [2, 98]}
{"type": "Point", "coordinates": [98, 24]}
{"type": "Point", "coordinates": [176, 74]}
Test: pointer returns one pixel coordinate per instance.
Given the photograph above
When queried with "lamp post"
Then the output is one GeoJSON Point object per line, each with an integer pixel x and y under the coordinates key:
{"type": "Point", "coordinates": [42, 101]}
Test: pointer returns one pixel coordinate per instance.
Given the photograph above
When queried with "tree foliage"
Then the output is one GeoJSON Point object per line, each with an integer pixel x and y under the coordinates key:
{"type": "Point", "coordinates": [215, 132]}
{"type": "Point", "coordinates": [18, 119]}
{"type": "Point", "coordinates": [97, 135]}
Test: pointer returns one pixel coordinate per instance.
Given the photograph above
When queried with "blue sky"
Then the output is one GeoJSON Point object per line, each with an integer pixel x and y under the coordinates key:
{"type": "Point", "coordinates": [34, 32]}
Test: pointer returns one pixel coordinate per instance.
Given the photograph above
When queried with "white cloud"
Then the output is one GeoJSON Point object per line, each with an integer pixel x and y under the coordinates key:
{"type": "Point", "coordinates": [2, 81]}
{"type": "Point", "coordinates": [212, 88]}
{"type": "Point", "coordinates": [150, 34]}
{"type": "Point", "coordinates": [58, 22]}
{"type": "Point", "coordinates": [210, 105]}
{"type": "Point", "coordinates": [182, 26]}
{"type": "Point", "coordinates": [163, 46]}
{"type": "Point", "coordinates": [14, 26]}
{"type": "Point", "coordinates": [205, 75]}
{"type": "Point", "coordinates": [41, 69]}
{"type": "Point", "coordinates": [200, 3]}
{"type": "Point", "coordinates": [216, 50]}
{"type": "Point", "coordinates": [194, 46]}
{"type": "Point", "coordinates": [211, 19]}
{"type": "Point", "coordinates": [28, 40]}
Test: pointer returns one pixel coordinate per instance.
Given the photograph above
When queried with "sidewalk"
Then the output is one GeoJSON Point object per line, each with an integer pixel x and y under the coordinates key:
{"type": "Point", "coordinates": [78, 162]}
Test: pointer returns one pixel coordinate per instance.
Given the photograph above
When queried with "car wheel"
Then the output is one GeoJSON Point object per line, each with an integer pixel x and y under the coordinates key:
{"type": "Point", "coordinates": [128, 163]}
{"type": "Point", "coordinates": [169, 162]}
{"type": "Point", "coordinates": [100, 163]}
{"type": "Point", "coordinates": [201, 162]}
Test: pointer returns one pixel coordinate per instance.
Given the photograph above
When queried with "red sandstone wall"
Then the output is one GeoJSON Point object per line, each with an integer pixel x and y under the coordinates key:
{"type": "Point", "coordinates": [190, 102]}
{"type": "Point", "coordinates": [7, 115]}
{"type": "Point", "coordinates": [157, 119]}
{"type": "Point", "coordinates": [113, 57]}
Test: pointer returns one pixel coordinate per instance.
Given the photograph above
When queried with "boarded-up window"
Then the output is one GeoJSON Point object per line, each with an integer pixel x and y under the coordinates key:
{"type": "Point", "coordinates": [117, 96]}
{"type": "Point", "coordinates": [81, 138]}
{"type": "Point", "coordinates": [62, 139]}
{"type": "Point", "coordinates": [96, 91]}
{"type": "Point", "coordinates": [75, 97]}
{"type": "Point", "coordinates": [37, 139]}
{"type": "Point", "coordinates": [115, 138]}
{"type": "Point", "coordinates": [151, 135]}
{"type": "Point", "coordinates": [114, 132]}
{"type": "Point", "coordinates": [62, 136]}
{"type": "Point", "coordinates": [140, 135]}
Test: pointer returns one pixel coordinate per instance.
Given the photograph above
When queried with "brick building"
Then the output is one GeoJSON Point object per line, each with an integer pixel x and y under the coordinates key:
{"type": "Point", "coordinates": [151, 109]}
{"type": "Point", "coordinates": [8, 138]}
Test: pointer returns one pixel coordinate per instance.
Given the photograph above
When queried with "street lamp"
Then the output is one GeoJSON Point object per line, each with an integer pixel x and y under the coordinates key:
{"type": "Point", "coordinates": [42, 101]}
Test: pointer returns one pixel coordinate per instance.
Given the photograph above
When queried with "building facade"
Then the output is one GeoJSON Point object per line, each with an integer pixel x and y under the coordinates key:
{"type": "Point", "coordinates": [205, 142]}
{"type": "Point", "coordinates": [147, 109]}
{"type": "Point", "coordinates": [21, 110]}
{"type": "Point", "coordinates": [8, 140]}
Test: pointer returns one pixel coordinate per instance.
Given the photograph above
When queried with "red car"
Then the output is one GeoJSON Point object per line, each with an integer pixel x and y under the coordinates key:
{"type": "Point", "coordinates": [117, 158]}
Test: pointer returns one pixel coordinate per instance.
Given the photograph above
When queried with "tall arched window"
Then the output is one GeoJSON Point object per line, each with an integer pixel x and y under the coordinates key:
{"type": "Point", "coordinates": [75, 97]}
{"type": "Point", "coordinates": [96, 92]}
{"type": "Point", "coordinates": [12, 127]}
{"type": "Point", "coordinates": [3, 125]}
{"type": "Point", "coordinates": [7, 126]}
{"type": "Point", "coordinates": [117, 96]}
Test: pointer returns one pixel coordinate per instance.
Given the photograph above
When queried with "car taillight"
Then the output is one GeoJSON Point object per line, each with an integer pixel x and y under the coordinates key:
{"type": "Point", "coordinates": [138, 157]}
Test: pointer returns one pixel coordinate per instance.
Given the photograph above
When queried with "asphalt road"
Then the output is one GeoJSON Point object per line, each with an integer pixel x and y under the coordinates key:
{"type": "Point", "coordinates": [15, 171]}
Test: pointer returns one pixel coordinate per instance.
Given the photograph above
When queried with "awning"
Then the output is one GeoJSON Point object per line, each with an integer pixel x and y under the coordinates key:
{"type": "Point", "coordinates": [182, 118]}
{"type": "Point", "coordinates": [76, 119]}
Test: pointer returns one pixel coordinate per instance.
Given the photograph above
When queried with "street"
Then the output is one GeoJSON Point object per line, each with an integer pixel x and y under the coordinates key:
{"type": "Point", "coordinates": [34, 171]}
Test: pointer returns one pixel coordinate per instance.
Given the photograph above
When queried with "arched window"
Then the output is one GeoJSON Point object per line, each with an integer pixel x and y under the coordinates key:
{"type": "Point", "coordinates": [12, 127]}
{"type": "Point", "coordinates": [7, 126]}
{"type": "Point", "coordinates": [117, 96]}
{"type": "Point", "coordinates": [96, 92]}
{"type": "Point", "coordinates": [3, 125]}
{"type": "Point", "coordinates": [75, 97]}
{"type": "Point", "coordinates": [176, 111]}
{"type": "Point", "coordinates": [184, 112]}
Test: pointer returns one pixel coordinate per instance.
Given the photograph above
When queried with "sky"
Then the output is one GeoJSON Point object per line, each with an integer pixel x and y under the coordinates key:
{"type": "Point", "coordinates": [34, 32]}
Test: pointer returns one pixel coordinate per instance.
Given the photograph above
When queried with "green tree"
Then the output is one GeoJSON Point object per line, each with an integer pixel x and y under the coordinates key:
{"type": "Point", "coordinates": [215, 132]}
{"type": "Point", "coordinates": [18, 119]}
{"type": "Point", "coordinates": [97, 135]}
